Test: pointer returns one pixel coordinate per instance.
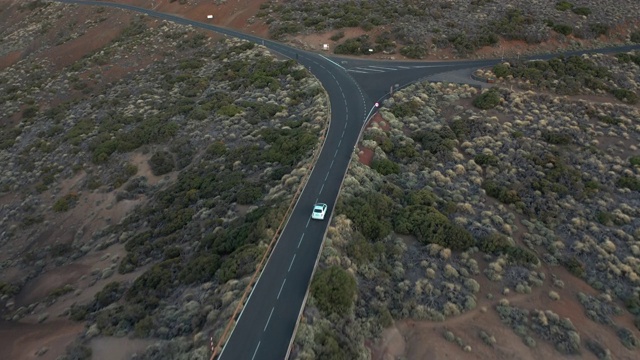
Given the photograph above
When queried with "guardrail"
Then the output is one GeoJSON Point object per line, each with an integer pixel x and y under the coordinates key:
{"type": "Point", "coordinates": [294, 200]}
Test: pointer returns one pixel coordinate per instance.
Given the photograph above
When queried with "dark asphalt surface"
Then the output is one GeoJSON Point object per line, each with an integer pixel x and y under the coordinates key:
{"type": "Point", "coordinates": [266, 325]}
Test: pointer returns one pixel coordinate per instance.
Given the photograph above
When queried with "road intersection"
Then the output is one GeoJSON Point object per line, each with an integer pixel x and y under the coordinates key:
{"type": "Point", "coordinates": [267, 323]}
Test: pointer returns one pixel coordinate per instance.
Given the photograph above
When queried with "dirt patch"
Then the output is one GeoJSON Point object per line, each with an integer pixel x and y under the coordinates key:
{"type": "Point", "coordinates": [109, 348]}
{"type": "Point", "coordinates": [42, 286]}
{"type": "Point", "coordinates": [424, 339]}
{"type": "Point", "coordinates": [22, 341]}
{"type": "Point", "coordinates": [365, 155]}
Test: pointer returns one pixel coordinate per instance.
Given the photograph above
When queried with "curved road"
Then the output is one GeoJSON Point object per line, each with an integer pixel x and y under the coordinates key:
{"type": "Point", "coordinates": [265, 326]}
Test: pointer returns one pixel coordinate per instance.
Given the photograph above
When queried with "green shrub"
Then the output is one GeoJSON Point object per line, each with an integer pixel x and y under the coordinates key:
{"type": "Point", "coordinates": [337, 36]}
{"type": "Point", "coordinates": [483, 160]}
{"type": "Point", "coordinates": [584, 11]}
{"type": "Point", "coordinates": [627, 338]}
{"type": "Point", "coordinates": [628, 181]}
{"type": "Point", "coordinates": [599, 29]}
{"type": "Point", "coordinates": [249, 194]}
{"type": "Point", "coordinates": [556, 138]}
{"type": "Point", "coordinates": [8, 289]}
{"type": "Point", "coordinates": [66, 202]}
{"type": "Point", "coordinates": [354, 46]}
{"type": "Point", "coordinates": [385, 166]}
{"type": "Point", "coordinates": [563, 5]}
{"type": "Point", "coordinates": [625, 95]}
{"type": "Point", "coordinates": [635, 37]}
{"type": "Point", "coordinates": [575, 266]}
{"type": "Point", "coordinates": [502, 70]}
{"type": "Point", "coordinates": [334, 290]}
{"type": "Point", "coordinates": [30, 112]}
{"type": "Point", "coordinates": [161, 163]}
{"type": "Point", "coordinates": [488, 99]}
{"type": "Point", "coordinates": [634, 161]}
{"type": "Point", "coordinates": [500, 192]}
{"type": "Point", "coordinates": [598, 350]}
{"type": "Point", "coordinates": [563, 29]}
{"type": "Point", "coordinates": [414, 51]}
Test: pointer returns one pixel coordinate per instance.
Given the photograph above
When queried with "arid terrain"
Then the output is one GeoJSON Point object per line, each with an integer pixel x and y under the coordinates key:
{"type": "Point", "coordinates": [501, 225]}
{"type": "Point", "coordinates": [145, 166]}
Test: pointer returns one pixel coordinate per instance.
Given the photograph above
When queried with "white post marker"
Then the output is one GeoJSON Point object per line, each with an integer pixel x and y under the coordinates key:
{"type": "Point", "coordinates": [209, 16]}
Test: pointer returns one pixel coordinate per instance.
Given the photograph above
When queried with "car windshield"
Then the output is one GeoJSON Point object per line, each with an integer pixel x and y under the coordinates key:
{"type": "Point", "coordinates": [318, 209]}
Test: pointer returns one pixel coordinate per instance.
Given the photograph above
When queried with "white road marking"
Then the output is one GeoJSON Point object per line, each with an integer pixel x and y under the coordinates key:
{"type": "Point", "coordinates": [357, 71]}
{"type": "Point", "coordinates": [326, 176]}
{"type": "Point", "coordinates": [269, 319]}
{"type": "Point", "coordinates": [322, 188]}
{"type": "Point", "coordinates": [281, 287]}
{"type": "Point", "coordinates": [292, 260]}
{"type": "Point", "coordinates": [300, 242]}
{"type": "Point", "coordinates": [381, 67]}
{"type": "Point", "coordinates": [404, 67]}
{"type": "Point", "coordinates": [340, 142]}
{"type": "Point", "coordinates": [309, 219]}
{"type": "Point", "coordinates": [331, 61]}
{"type": "Point", "coordinates": [255, 352]}
{"type": "Point", "coordinates": [330, 166]}
{"type": "Point", "coordinates": [369, 68]}
{"type": "Point", "coordinates": [336, 154]}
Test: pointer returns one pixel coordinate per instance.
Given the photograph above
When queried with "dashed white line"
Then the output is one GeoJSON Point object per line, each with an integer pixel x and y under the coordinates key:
{"type": "Point", "coordinates": [322, 188]}
{"type": "Point", "coordinates": [281, 287]}
{"type": "Point", "coordinates": [381, 67]}
{"type": "Point", "coordinates": [300, 242]}
{"type": "Point", "coordinates": [336, 154]}
{"type": "Point", "coordinates": [290, 265]}
{"type": "Point", "coordinates": [269, 319]}
{"type": "Point", "coordinates": [255, 352]}
{"type": "Point", "coordinates": [309, 219]}
{"type": "Point", "coordinates": [326, 177]}
{"type": "Point", "coordinates": [330, 166]}
{"type": "Point", "coordinates": [340, 142]}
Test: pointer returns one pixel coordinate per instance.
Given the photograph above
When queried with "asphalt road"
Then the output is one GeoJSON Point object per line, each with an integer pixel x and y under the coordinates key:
{"type": "Point", "coordinates": [266, 325]}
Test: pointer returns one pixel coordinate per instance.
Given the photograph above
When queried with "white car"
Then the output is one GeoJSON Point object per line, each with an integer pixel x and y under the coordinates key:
{"type": "Point", "coordinates": [319, 211]}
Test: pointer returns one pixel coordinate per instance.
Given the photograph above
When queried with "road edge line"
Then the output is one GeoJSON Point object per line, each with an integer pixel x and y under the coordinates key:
{"type": "Point", "coordinates": [299, 192]}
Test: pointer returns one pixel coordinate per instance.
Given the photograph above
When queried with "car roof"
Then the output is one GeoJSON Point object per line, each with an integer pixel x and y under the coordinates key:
{"type": "Point", "coordinates": [320, 205]}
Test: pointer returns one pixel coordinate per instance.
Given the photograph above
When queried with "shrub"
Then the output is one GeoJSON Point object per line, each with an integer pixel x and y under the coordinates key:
{"type": "Point", "coordinates": [563, 29]}
{"type": "Point", "coordinates": [500, 192]}
{"type": "Point", "coordinates": [414, 51]}
{"type": "Point", "coordinates": [599, 29]}
{"type": "Point", "coordinates": [575, 266]}
{"type": "Point", "coordinates": [483, 159]}
{"type": "Point", "coordinates": [66, 202]}
{"type": "Point", "coordinates": [635, 36]}
{"type": "Point", "coordinates": [556, 138]}
{"type": "Point", "coordinates": [628, 181]}
{"type": "Point", "coordinates": [334, 290]}
{"type": "Point", "coordinates": [354, 46]}
{"type": "Point", "coordinates": [29, 112]}
{"type": "Point", "coordinates": [488, 99]}
{"type": "Point", "coordinates": [563, 5]}
{"type": "Point", "coordinates": [385, 166]}
{"type": "Point", "coordinates": [625, 95]}
{"type": "Point", "coordinates": [248, 194]}
{"type": "Point", "coordinates": [627, 338]}
{"type": "Point", "coordinates": [161, 163]}
{"type": "Point", "coordinates": [337, 36]}
{"type": "Point", "coordinates": [502, 70]}
{"type": "Point", "coordinates": [598, 350]}
{"type": "Point", "coordinates": [634, 161]}
{"type": "Point", "coordinates": [584, 11]}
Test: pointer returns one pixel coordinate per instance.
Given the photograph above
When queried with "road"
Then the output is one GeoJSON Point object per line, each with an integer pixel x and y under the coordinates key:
{"type": "Point", "coordinates": [266, 325]}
